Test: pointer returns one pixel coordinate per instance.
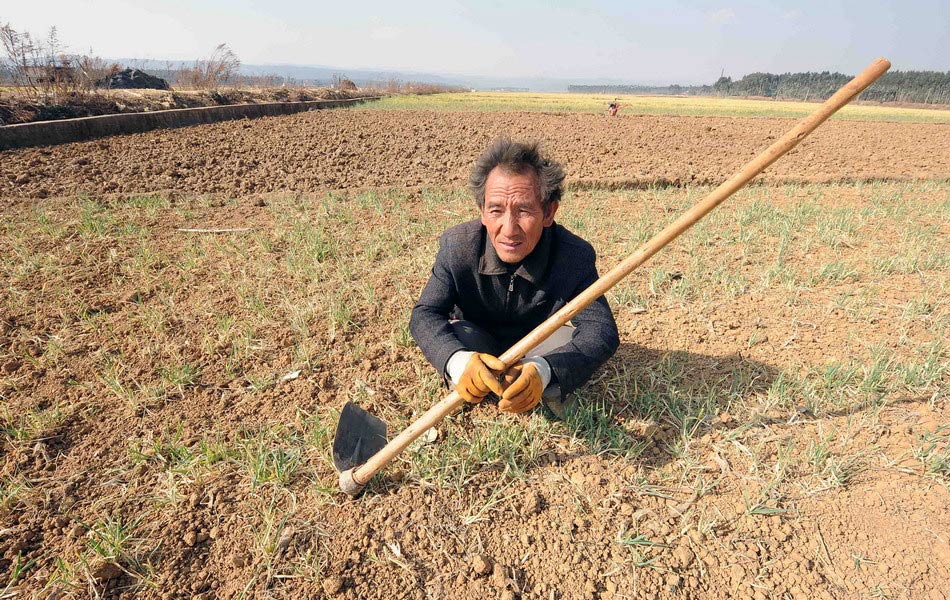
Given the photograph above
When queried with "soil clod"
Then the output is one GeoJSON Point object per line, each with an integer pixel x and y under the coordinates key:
{"type": "Point", "coordinates": [332, 585]}
{"type": "Point", "coordinates": [104, 570]}
{"type": "Point", "coordinates": [533, 503]}
{"type": "Point", "coordinates": [482, 564]}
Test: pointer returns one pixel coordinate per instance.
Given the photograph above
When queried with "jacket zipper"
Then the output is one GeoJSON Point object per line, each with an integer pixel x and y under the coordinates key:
{"type": "Point", "coordinates": [511, 288]}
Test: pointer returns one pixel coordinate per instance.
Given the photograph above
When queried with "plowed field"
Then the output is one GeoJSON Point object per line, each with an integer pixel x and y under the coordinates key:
{"type": "Point", "coordinates": [359, 149]}
{"type": "Point", "coordinates": [774, 425]}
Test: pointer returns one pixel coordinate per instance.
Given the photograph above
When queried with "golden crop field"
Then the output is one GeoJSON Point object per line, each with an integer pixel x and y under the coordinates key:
{"type": "Point", "coordinates": [648, 105]}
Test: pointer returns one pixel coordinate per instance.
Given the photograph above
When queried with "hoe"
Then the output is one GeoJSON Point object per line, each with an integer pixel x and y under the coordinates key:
{"type": "Point", "coordinates": [360, 448]}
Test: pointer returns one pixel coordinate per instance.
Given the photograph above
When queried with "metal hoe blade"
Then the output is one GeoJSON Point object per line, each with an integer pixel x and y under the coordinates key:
{"type": "Point", "coordinates": [359, 435]}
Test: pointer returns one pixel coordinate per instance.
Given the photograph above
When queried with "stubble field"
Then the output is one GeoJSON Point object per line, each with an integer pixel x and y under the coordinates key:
{"type": "Point", "coordinates": [694, 106]}
{"type": "Point", "coordinates": [774, 425]}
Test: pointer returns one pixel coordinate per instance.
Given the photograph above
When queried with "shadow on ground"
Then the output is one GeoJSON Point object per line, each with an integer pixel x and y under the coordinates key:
{"type": "Point", "coordinates": [646, 403]}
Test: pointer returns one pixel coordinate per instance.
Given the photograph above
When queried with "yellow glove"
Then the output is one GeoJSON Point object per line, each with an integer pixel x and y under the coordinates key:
{"type": "Point", "coordinates": [480, 377]}
{"type": "Point", "coordinates": [524, 388]}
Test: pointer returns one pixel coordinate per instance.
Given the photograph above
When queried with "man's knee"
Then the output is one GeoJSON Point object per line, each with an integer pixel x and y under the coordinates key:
{"type": "Point", "coordinates": [476, 338]}
{"type": "Point", "coordinates": [561, 337]}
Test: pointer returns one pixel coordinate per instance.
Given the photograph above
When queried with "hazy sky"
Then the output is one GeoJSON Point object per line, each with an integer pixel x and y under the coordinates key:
{"type": "Point", "coordinates": [679, 41]}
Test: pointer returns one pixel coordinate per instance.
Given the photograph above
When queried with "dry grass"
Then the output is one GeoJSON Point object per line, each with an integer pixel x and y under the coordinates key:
{"type": "Point", "coordinates": [313, 289]}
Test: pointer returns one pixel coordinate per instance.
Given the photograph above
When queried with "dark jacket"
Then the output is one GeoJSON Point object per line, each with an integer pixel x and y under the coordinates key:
{"type": "Point", "coordinates": [469, 281]}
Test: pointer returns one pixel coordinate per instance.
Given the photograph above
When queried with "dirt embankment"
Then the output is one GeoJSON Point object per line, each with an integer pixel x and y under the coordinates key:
{"type": "Point", "coordinates": [14, 109]}
{"type": "Point", "coordinates": [412, 149]}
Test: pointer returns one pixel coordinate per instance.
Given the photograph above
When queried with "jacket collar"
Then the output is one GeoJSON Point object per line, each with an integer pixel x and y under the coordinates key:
{"type": "Point", "coordinates": [533, 267]}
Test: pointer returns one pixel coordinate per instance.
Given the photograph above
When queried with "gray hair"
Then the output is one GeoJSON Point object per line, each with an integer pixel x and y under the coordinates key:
{"type": "Point", "coordinates": [518, 158]}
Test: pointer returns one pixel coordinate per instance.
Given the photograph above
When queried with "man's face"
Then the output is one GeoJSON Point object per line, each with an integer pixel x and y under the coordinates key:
{"type": "Point", "coordinates": [513, 215]}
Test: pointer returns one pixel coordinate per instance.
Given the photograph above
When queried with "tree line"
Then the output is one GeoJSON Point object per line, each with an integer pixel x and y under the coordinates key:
{"type": "Point", "coordinates": [925, 87]}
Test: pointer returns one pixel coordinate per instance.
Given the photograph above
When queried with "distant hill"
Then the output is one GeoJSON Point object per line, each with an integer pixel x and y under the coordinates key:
{"type": "Point", "coordinates": [323, 75]}
{"type": "Point", "coordinates": [300, 74]}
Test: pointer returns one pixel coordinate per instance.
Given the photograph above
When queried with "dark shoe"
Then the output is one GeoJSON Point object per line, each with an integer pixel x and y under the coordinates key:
{"type": "Point", "coordinates": [556, 408]}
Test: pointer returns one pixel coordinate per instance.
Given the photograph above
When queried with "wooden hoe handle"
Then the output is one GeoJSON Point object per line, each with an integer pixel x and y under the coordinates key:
{"type": "Point", "coordinates": [353, 480]}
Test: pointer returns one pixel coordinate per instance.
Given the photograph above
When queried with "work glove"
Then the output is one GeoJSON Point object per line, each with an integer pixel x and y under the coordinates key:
{"type": "Point", "coordinates": [525, 382]}
{"type": "Point", "coordinates": [480, 377]}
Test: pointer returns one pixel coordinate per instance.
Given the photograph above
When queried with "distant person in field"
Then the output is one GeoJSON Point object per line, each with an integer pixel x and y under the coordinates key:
{"type": "Point", "coordinates": [497, 277]}
{"type": "Point", "coordinates": [613, 107]}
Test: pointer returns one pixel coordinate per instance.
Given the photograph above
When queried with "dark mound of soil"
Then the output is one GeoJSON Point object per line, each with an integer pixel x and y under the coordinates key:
{"type": "Point", "coordinates": [133, 79]}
